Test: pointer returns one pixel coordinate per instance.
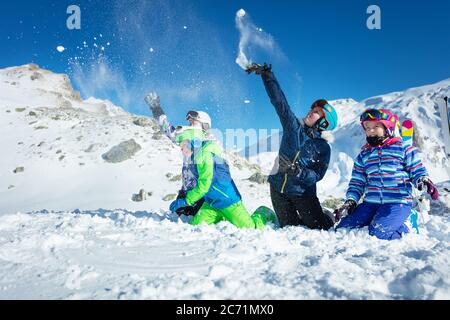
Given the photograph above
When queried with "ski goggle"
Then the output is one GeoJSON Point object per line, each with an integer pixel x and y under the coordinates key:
{"type": "Point", "coordinates": [373, 115]}
{"type": "Point", "coordinates": [192, 115]}
{"type": "Point", "coordinates": [323, 123]}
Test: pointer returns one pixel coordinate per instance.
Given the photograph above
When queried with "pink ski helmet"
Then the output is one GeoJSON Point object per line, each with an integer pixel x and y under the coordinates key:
{"type": "Point", "coordinates": [387, 118]}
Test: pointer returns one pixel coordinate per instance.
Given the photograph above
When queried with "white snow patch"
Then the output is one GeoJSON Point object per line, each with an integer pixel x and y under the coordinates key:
{"type": "Point", "coordinates": [107, 255]}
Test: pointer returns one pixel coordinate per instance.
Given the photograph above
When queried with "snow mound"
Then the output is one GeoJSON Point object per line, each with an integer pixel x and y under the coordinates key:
{"type": "Point", "coordinates": [118, 254]}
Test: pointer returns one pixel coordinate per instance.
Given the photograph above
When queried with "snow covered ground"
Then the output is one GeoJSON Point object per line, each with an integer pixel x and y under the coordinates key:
{"type": "Point", "coordinates": [69, 228]}
{"type": "Point", "coordinates": [118, 254]}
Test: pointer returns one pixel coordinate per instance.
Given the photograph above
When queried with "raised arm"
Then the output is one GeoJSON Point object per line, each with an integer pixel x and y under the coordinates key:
{"type": "Point", "coordinates": [152, 99]}
{"type": "Point", "coordinates": [276, 95]}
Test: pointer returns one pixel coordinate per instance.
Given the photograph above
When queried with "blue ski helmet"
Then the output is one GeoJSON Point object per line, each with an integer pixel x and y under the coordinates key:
{"type": "Point", "coordinates": [329, 120]}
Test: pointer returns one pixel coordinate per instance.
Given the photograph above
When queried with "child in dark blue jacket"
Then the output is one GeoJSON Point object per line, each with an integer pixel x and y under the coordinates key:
{"type": "Point", "coordinates": [302, 160]}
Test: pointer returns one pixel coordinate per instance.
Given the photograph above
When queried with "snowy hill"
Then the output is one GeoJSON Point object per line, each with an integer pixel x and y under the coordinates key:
{"type": "Point", "coordinates": [69, 228]}
{"type": "Point", "coordinates": [33, 87]}
{"type": "Point", "coordinates": [59, 140]}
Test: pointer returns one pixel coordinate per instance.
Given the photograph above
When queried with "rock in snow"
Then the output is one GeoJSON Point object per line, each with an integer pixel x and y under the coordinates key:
{"type": "Point", "coordinates": [123, 151]}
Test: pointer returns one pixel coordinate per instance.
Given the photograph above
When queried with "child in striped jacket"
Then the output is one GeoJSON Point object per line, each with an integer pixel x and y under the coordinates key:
{"type": "Point", "coordinates": [384, 174]}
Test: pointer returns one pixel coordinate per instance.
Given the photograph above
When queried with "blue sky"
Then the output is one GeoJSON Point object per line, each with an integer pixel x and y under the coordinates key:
{"type": "Point", "coordinates": [186, 51]}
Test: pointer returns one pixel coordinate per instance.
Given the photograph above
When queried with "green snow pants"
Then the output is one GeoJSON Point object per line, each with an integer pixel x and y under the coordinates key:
{"type": "Point", "coordinates": [237, 214]}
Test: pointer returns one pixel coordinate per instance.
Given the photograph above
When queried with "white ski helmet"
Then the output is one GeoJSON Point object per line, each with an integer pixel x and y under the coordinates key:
{"type": "Point", "coordinates": [201, 117]}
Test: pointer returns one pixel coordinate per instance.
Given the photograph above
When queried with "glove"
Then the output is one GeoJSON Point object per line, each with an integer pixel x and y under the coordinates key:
{"type": "Point", "coordinates": [286, 166]}
{"type": "Point", "coordinates": [348, 205]}
{"type": "Point", "coordinates": [187, 211]}
{"type": "Point", "coordinates": [431, 188]}
{"type": "Point", "coordinates": [183, 210]}
{"type": "Point", "coordinates": [152, 99]}
{"type": "Point", "coordinates": [177, 204]}
{"type": "Point", "coordinates": [259, 69]}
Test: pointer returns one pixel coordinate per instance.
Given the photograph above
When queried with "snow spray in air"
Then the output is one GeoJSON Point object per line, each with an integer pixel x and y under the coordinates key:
{"type": "Point", "coordinates": [250, 35]}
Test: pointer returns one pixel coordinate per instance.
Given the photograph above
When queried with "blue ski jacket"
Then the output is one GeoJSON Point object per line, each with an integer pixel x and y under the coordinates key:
{"type": "Point", "coordinates": [385, 174]}
{"type": "Point", "coordinates": [300, 144]}
{"type": "Point", "coordinates": [214, 182]}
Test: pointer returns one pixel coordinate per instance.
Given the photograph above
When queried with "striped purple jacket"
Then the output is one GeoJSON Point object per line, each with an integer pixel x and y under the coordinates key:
{"type": "Point", "coordinates": [384, 174]}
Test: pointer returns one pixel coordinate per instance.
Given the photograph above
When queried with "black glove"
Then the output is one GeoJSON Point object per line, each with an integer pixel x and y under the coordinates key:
{"type": "Point", "coordinates": [286, 166]}
{"type": "Point", "coordinates": [348, 205]}
{"type": "Point", "coordinates": [187, 211]}
{"type": "Point", "coordinates": [259, 69]}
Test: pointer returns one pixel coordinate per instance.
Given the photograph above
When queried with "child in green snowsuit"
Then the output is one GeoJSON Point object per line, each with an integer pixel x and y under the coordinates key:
{"type": "Point", "coordinates": [214, 183]}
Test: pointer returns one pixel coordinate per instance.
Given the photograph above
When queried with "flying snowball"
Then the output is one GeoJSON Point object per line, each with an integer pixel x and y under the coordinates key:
{"type": "Point", "coordinates": [241, 13]}
{"type": "Point", "coordinates": [60, 48]}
